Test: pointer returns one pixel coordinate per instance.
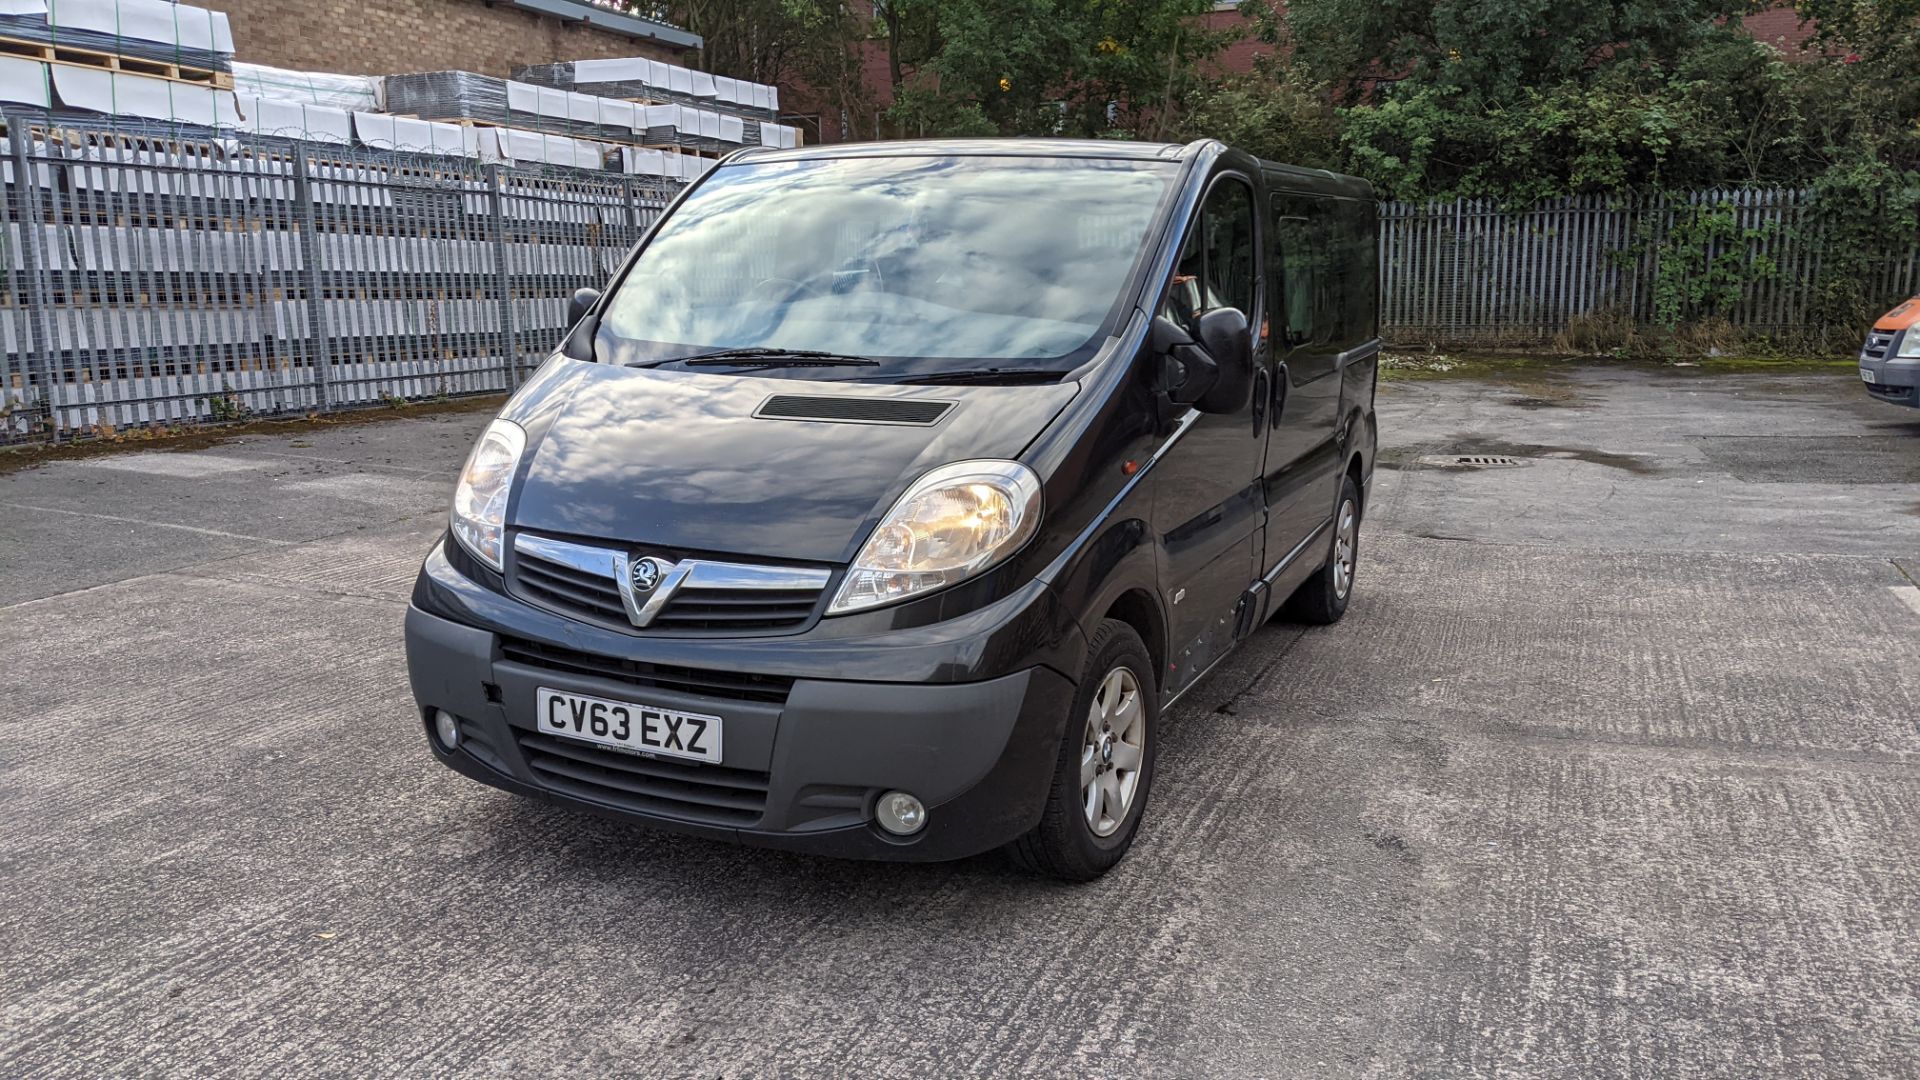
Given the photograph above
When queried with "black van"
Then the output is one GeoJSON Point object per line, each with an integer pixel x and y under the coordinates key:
{"type": "Point", "coordinates": [892, 491]}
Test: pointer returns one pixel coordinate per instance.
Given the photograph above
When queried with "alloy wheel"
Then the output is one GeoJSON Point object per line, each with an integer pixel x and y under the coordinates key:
{"type": "Point", "coordinates": [1113, 751]}
{"type": "Point", "coordinates": [1344, 536]}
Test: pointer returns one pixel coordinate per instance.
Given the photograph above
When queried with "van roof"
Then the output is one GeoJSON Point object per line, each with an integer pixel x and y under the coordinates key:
{"type": "Point", "coordinates": [1081, 148]}
{"type": "Point", "coordinates": [1287, 176]}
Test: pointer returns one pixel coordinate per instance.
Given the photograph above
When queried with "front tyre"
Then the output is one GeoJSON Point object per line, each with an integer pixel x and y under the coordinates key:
{"type": "Point", "coordinates": [1100, 788]}
{"type": "Point", "coordinates": [1322, 598]}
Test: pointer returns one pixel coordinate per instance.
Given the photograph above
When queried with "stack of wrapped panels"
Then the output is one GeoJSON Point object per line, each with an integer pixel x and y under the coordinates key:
{"type": "Point", "coordinates": [513, 146]}
{"type": "Point", "coordinates": [383, 132]}
{"type": "Point", "coordinates": [639, 79]}
{"type": "Point", "coordinates": [466, 95]}
{"type": "Point", "coordinates": [645, 161]}
{"type": "Point", "coordinates": [353, 93]}
{"type": "Point", "coordinates": [696, 129]}
{"type": "Point", "coordinates": [292, 119]}
{"type": "Point", "coordinates": [780, 135]}
{"type": "Point", "coordinates": [156, 31]}
{"type": "Point", "coordinates": [130, 99]}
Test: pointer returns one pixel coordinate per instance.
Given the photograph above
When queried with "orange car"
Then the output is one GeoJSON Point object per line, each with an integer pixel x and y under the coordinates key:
{"type": "Point", "coordinates": [1890, 360]}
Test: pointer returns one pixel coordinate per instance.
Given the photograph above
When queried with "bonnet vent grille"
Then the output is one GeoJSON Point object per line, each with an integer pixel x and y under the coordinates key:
{"type": "Point", "coordinates": [850, 410]}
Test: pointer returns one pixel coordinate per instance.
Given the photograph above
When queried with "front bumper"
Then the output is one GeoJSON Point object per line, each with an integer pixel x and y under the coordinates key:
{"type": "Point", "coordinates": [805, 758]}
{"type": "Point", "coordinates": [1892, 379]}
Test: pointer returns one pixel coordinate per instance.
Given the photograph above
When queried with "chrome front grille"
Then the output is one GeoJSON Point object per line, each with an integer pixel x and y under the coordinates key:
{"type": "Point", "coordinates": [728, 609]}
{"type": "Point", "coordinates": [696, 596]}
{"type": "Point", "coordinates": [568, 589]}
{"type": "Point", "coordinates": [1878, 342]}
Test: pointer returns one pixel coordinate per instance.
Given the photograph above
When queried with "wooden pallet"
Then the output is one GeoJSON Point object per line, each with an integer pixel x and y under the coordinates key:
{"type": "Point", "coordinates": [74, 56]}
{"type": "Point", "coordinates": [458, 121]}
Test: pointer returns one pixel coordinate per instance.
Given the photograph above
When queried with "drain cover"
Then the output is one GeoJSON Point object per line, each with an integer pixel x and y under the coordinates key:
{"type": "Point", "coordinates": [1472, 461]}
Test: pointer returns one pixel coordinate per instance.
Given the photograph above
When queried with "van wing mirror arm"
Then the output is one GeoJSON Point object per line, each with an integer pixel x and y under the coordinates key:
{"type": "Point", "coordinates": [1186, 370]}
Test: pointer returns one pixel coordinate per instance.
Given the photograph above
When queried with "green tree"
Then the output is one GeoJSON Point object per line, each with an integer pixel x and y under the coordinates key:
{"type": "Point", "coordinates": [1277, 115]}
{"type": "Point", "coordinates": [782, 42]}
{"type": "Point", "coordinates": [912, 32]}
{"type": "Point", "coordinates": [1492, 50]}
{"type": "Point", "coordinates": [768, 41]}
{"type": "Point", "coordinates": [1042, 67]}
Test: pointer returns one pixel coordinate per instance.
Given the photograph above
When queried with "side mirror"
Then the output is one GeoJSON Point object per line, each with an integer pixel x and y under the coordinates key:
{"type": "Point", "coordinates": [1227, 338]}
{"type": "Point", "coordinates": [1186, 371]}
{"type": "Point", "coordinates": [579, 304]}
{"type": "Point", "coordinates": [577, 342]}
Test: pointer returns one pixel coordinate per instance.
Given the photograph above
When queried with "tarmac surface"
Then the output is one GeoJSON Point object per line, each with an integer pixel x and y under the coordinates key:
{"type": "Point", "coordinates": [1613, 769]}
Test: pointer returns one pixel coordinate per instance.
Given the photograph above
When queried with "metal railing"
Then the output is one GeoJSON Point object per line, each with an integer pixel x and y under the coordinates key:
{"type": "Point", "coordinates": [153, 280]}
{"type": "Point", "coordinates": [1474, 271]}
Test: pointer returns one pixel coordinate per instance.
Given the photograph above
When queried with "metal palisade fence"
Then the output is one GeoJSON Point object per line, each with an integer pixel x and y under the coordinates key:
{"type": "Point", "coordinates": [1472, 271]}
{"type": "Point", "coordinates": [154, 280]}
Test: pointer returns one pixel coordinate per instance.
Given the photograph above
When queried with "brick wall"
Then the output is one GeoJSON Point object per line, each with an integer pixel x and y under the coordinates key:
{"type": "Point", "coordinates": [381, 37]}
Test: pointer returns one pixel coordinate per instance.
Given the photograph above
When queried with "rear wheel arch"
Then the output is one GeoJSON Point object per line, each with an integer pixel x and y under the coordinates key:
{"type": "Point", "coordinates": [1360, 434]}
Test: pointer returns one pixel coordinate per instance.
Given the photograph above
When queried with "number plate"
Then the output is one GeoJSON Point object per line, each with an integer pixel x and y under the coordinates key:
{"type": "Point", "coordinates": [1866, 375]}
{"type": "Point", "coordinates": [647, 729]}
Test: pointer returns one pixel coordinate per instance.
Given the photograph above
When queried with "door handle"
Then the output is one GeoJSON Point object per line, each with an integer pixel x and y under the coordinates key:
{"type": "Point", "coordinates": [1279, 392]}
{"type": "Point", "coordinates": [1259, 403]}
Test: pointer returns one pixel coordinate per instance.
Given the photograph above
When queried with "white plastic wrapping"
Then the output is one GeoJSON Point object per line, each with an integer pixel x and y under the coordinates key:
{"type": "Point", "coordinates": [514, 146]}
{"type": "Point", "coordinates": [181, 26]}
{"type": "Point", "coordinates": [24, 82]}
{"type": "Point", "coordinates": [639, 161]}
{"type": "Point", "coordinates": [779, 135]}
{"type": "Point", "coordinates": [385, 132]}
{"type": "Point", "coordinates": [361, 93]}
{"type": "Point", "coordinates": [623, 69]}
{"type": "Point", "coordinates": [119, 93]}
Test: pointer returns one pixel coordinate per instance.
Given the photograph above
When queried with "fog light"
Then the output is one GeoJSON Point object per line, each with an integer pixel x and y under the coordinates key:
{"type": "Point", "coordinates": [448, 728]}
{"type": "Point", "coordinates": [900, 813]}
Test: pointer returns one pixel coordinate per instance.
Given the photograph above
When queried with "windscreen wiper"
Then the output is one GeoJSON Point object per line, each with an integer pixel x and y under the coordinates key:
{"type": "Point", "coordinates": [985, 376]}
{"type": "Point", "coordinates": [765, 357]}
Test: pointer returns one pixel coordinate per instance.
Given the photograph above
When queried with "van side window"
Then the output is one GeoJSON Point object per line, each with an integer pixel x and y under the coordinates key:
{"type": "Point", "coordinates": [1360, 224]}
{"type": "Point", "coordinates": [1300, 258]}
{"type": "Point", "coordinates": [1218, 264]}
{"type": "Point", "coordinates": [1327, 278]}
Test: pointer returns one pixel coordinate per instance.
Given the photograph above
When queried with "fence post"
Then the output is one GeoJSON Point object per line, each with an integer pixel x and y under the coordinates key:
{"type": "Point", "coordinates": [503, 280]}
{"type": "Point", "coordinates": [319, 350]}
{"type": "Point", "coordinates": [34, 267]}
{"type": "Point", "coordinates": [633, 212]}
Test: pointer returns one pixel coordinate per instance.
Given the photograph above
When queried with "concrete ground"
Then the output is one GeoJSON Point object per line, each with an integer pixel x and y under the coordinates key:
{"type": "Point", "coordinates": [1612, 770]}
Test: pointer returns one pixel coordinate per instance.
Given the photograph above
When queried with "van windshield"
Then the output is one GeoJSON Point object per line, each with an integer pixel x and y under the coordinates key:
{"type": "Point", "coordinates": [924, 263]}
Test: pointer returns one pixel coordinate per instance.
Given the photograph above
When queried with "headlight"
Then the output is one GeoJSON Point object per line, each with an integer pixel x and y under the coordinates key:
{"type": "Point", "coordinates": [480, 500]}
{"type": "Point", "coordinates": [1910, 344]}
{"type": "Point", "coordinates": [951, 524]}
